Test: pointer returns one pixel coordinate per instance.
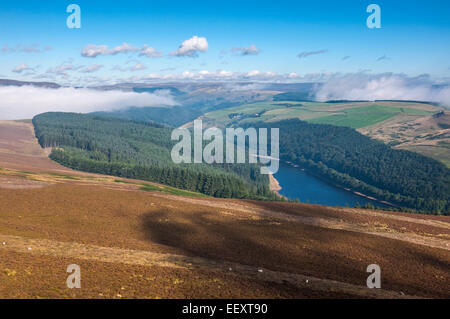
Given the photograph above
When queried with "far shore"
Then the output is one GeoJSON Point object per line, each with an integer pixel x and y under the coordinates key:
{"type": "Point", "coordinates": [342, 187]}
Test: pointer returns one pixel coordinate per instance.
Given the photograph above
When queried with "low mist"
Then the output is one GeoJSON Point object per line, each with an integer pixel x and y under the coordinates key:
{"type": "Point", "coordinates": [388, 86]}
{"type": "Point", "coordinates": [27, 101]}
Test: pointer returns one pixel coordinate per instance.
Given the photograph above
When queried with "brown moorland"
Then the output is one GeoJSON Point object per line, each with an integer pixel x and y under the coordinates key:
{"type": "Point", "coordinates": [132, 243]}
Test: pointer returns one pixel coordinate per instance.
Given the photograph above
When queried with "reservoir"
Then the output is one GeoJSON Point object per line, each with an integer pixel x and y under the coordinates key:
{"type": "Point", "coordinates": [297, 184]}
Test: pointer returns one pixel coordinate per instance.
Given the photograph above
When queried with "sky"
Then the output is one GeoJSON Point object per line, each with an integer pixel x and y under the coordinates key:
{"type": "Point", "coordinates": [139, 41]}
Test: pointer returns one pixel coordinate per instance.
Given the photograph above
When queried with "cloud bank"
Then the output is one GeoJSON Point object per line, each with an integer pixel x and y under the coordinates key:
{"type": "Point", "coordinates": [192, 47]}
{"type": "Point", "coordinates": [93, 50]}
{"type": "Point", "coordinates": [27, 101]}
{"type": "Point", "coordinates": [386, 86]}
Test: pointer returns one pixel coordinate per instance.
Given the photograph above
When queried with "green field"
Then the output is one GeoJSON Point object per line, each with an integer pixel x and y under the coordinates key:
{"type": "Point", "coordinates": [269, 111]}
{"type": "Point", "coordinates": [353, 114]}
{"type": "Point", "coordinates": [360, 117]}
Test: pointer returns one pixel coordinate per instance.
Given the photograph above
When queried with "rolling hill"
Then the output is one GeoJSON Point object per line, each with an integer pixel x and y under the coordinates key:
{"type": "Point", "coordinates": [141, 150]}
{"type": "Point", "coordinates": [415, 126]}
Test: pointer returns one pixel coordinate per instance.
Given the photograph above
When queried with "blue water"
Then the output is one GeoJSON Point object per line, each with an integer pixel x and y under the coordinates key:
{"type": "Point", "coordinates": [297, 184]}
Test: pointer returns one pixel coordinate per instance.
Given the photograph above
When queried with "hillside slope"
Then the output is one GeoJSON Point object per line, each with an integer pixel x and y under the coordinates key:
{"type": "Point", "coordinates": [428, 135]}
{"type": "Point", "coordinates": [141, 150]}
{"type": "Point", "coordinates": [134, 243]}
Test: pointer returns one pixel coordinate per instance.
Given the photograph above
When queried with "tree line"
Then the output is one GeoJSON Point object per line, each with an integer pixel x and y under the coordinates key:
{"type": "Point", "coordinates": [141, 150]}
{"type": "Point", "coordinates": [350, 159]}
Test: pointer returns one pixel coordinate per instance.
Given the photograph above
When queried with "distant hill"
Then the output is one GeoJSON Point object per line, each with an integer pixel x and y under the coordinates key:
{"type": "Point", "coordinates": [294, 96]}
{"type": "Point", "coordinates": [173, 116]}
{"type": "Point", "coordinates": [293, 87]}
{"type": "Point", "coordinates": [173, 91]}
{"type": "Point", "coordinates": [7, 82]}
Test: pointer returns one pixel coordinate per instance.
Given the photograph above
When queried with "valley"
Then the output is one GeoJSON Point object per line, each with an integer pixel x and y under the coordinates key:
{"type": "Point", "coordinates": [233, 158]}
{"type": "Point", "coordinates": [414, 126]}
{"type": "Point", "coordinates": [153, 244]}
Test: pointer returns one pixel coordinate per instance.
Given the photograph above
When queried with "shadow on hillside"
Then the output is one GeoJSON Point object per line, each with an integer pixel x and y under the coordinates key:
{"type": "Point", "coordinates": [297, 248]}
{"type": "Point", "coordinates": [259, 243]}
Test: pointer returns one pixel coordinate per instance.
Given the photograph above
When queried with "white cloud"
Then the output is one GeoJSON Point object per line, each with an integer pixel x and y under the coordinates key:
{"type": "Point", "coordinates": [22, 67]}
{"type": "Point", "coordinates": [124, 48]}
{"type": "Point", "coordinates": [136, 67]}
{"type": "Point", "coordinates": [93, 50]}
{"type": "Point", "coordinates": [270, 74]}
{"type": "Point", "coordinates": [245, 87]}
{"type": "Point", "coordinates": [192, 46]}
{"type": "Point", "coordinates": [188, 75]}
{"type": "Point", "coordinates": [44, 76]}
{"type": "Point", "coordinates": [224, 73]}
{"type": "Point", "coordinates": [386, 86]}
{"type": "Point", "coordinates": [150, 52]}
{"type": "Point", "coordinates": [228, 76]}
{"type": "Point", "coordinates": [92, 68]}
{"type": "Point", "coordinates": [253, 73]}
{"type": "Point", "coordinates": [27, 101]}
{"type": "Point", "coordinates": [63, 69]}
{"type": "Point", "coordinates": [34, 48]}
{"type": "Point", "coordinates": [262, 76]}
{"type": "Point", "coordinates": [251, 50]}
{"type": "Point", "coordinates": [152, 76]}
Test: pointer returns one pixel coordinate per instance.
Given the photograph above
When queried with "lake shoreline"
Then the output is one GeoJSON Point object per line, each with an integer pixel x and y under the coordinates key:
{"type": "Point", "coordinates": [275, 186]}
{"type": "Point", "coordinates": [331, 183]}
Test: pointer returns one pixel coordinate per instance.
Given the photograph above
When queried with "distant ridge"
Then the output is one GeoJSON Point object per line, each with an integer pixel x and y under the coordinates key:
{"type": "Point", "coordinates": [7, 82]}
{"type": "Point", "coordinates": [404, 101]}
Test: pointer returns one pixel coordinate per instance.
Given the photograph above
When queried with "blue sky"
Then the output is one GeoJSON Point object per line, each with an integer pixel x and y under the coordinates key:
{"type": "Point", "coordinates": [414, 39]}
